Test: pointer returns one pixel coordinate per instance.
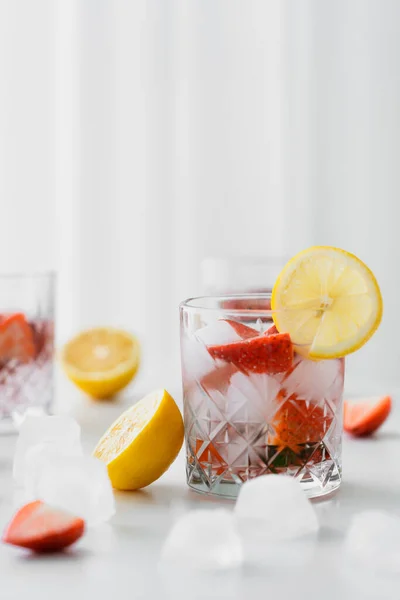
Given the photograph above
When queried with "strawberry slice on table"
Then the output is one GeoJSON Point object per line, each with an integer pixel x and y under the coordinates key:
{"type": "Point", "coordinates": [365, 417]}
{"type": "Point", "coordinates": [244, 331]}
{"type": "Point", "coordinates": [16, 339]}
{"type": "Point", "coordinates": [42, 528]}
{"type": "Point", "coordinates": [262, 354]}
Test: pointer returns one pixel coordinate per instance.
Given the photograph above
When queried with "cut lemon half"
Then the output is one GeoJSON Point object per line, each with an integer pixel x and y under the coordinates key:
{"type": "Point", "coordinates": [101, 361]}
{"type": "Point", "coordinates": [143, 442]}
{"type": "Point", "coordinates": [329, 302]}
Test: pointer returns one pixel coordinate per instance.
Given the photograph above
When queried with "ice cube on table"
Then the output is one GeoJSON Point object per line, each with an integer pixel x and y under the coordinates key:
{"type": "Point", "coordinates": [204, 540]}
{"type": "Point", "coordinates": [61, 431]}
{"type": "Point", "coordinates": [276, 508]}
{"type": "Point", "coordinates": [39, 456]}
{"type": "Point", "coordinates": [373, 541]}
{"type": "Point", "coordinates": [19, 417]}
{"type": "Point", "coordinates": [79, 485]}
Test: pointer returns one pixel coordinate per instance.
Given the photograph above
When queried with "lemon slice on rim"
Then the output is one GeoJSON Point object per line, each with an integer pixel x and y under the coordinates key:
{"type": "Point", "coordinates": [329, 302]}
{"type": "Point", "coordinates": [101, 361]}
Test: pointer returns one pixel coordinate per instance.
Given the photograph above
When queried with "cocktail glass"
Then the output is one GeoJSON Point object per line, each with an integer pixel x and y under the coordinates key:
{"type": "Point", "coordinates": [26, 344]}
{"type": "Point", "coordinates": [250, 415]}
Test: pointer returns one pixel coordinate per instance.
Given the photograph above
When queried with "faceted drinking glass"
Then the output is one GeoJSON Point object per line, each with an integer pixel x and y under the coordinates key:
{"type": "Point", "coordinates": [26, 344]}
{"type": "Point", "coordinates": [245, 415]}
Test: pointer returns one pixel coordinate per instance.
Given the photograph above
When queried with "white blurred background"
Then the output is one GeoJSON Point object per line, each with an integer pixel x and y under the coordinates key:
{"type": "Point", "coordinates": [138, 137]}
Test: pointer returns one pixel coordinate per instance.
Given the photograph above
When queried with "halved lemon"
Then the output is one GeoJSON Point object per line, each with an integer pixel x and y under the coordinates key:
{"type": "Point", "coordinates": [329, 302]}
{"type": "Point", "coordinates": [101, 361]}
{"type": "Point", "coordinates": [143, 442]}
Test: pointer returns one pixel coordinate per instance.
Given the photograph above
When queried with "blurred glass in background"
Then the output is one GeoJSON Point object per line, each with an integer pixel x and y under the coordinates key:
{"type": "Point", "coordinates": [26, 344]}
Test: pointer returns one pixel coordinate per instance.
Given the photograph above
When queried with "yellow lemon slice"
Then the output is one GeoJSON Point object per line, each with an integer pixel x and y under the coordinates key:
{"type": "Point", "coordinates": [101, 361]}
{"type": "Point", "coordinates": [329, 302]}
{"type": "Point", "coordinates": [143, 442]}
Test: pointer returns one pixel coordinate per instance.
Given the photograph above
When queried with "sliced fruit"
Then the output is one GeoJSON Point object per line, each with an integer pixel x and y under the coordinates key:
{"type": "Point", "coordinates": [16, 339]}
{"type": "Point", "coordinates": [365, 417]}
{"type": "Point", "coordinates": [101, 361]}
{"type": "Point", "coordinates": [263, 354]}
{"type": "Point", "coordinates": [42, 528]}
{"type": "Point", "coordinates": [329, 302]}
{"type": "Point", "coordinates": [244, 331]}
{"type": "Point", "coordinates": [219, 378]}
{"type": "Point", "coordinates": [143, 442]}
{"type": "Point", "coordinates": [298, 422]}
{"type": "Point", "coordinates": [271, 330]}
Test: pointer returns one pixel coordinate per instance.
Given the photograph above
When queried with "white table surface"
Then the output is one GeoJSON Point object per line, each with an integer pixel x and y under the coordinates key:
{"type": "Point", "coordinates": [120, 559]}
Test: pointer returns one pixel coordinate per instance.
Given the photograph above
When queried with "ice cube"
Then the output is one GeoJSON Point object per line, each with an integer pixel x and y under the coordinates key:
{"type": "Point", "coordinates": [197, 362]}
{"type": "Point", "coordinates": [19, 417]}
{"type": "Point", "coordinates": [276, 508]}
{"type": "Point", "coordinates": [256, 391]}
{"type": "Point", "coordinates": [219, 332]}
{"type": "Point", "coordinates": [39, 456]}
{"type": "Point", "coordinates": [199, 365]}
{"type": "Point", "coordinates": [204, 540]}
{"type": "Point", "coordinates": [373, 541]}
{"type": "Point", "coordinates": [312, 380]}
{"type": "Point", "coordinates": [79, 485]}
{"type": "Point", "coordinates": [61, 431]}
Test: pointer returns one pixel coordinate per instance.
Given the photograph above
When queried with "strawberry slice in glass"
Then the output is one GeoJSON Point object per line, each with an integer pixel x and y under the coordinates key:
{"type": "Point", "coordinates": [263, 354]}
{"type": "Point", "coordinates": [16, 339]}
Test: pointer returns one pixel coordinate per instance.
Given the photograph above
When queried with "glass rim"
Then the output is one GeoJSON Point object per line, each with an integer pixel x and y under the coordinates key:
{"type": "Point", "coordinates": [49, 274]}
{"type": "Point", "coordinates": [199, 303]}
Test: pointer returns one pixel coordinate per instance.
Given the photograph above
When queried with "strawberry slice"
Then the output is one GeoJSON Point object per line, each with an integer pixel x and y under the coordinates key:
{"type": "Point", "coordinates": [219, 378]}
{"type": "Point", "coordinates": [42, 528]}
{"type": "Point", "coordinates": [365, 417]}
{"type": "Point", "coordinates": [271, 331]}
{"type": "Point", "coordinates": [244, 331]}
{"type": "Point", "coordinates": [263, 354]}
{"type": "Point", "coordinates": [298, 422]}
{"type": "Point", "coordinates": [16, 339]}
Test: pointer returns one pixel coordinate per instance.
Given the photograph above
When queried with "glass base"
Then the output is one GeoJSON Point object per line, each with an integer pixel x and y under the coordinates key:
{"type": "Point", "coordinates": [230, 489]}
